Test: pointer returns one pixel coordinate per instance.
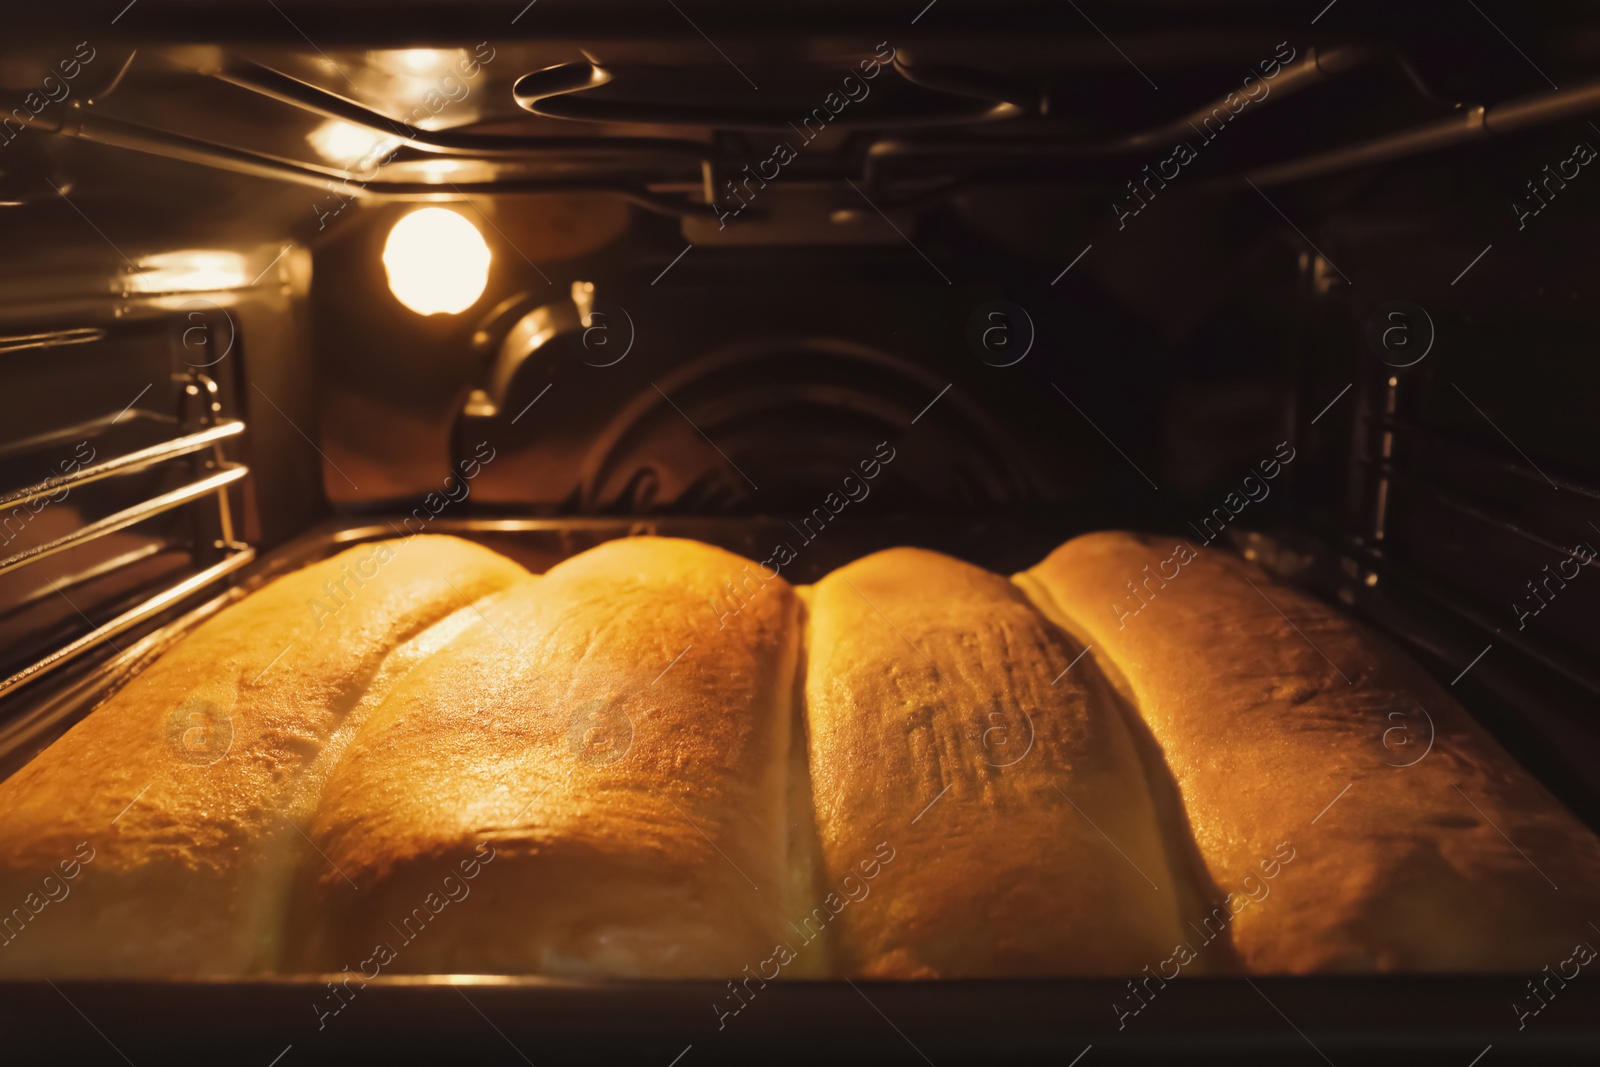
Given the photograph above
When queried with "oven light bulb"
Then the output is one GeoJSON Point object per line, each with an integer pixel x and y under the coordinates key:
{"type": "Point", "coordinates": [437, 262]}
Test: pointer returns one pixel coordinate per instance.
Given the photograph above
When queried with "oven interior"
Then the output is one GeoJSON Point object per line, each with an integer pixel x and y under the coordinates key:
{"type": "Point", "coordinates": [725, 265]}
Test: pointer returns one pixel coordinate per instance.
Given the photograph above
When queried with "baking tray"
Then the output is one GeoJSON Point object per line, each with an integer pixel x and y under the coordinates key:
{"type": "Point", "coordinates": [286, 1021]}
{"type": "Point", "coordinates": [1350, 1022]}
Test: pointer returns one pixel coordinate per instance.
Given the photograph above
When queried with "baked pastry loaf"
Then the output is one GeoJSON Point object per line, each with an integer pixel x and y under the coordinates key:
{"type": "Point", "coordinates": [170, 812]}
{"type": "Point", "coordinates": [591, 780]}
{"type": "Point", "coordinates": [980, 807]}
{"type": "Point", "coordinates": [1294, 732]}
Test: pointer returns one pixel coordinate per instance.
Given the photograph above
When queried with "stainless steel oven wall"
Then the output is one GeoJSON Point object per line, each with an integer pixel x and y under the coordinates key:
{"type": "Point", "coordinates": [734, 380]}
{"type": "Point", "coordinates": [1469, 524]}
{"type": "Point", "coordinates": [156, 383]}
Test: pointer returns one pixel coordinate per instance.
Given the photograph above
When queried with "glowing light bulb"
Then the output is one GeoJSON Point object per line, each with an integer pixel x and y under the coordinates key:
{"type": "Point", "coordinates": [437, 262]}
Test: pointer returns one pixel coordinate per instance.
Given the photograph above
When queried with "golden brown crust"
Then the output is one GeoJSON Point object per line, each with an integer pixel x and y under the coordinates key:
{"type": "Point", "coordinates": [611, 744]}
{"type": "Point", "coordinates": [180, 788]}
{"type": "Point", "coordinates": [1283, 721]}
{"type": "Point", "coordinates": [1006, 794]}
{"type": "Point", "coordinates": [603, 771]}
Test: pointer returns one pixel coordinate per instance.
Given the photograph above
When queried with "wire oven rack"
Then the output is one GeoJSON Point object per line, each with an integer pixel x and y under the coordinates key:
{"type": "Point", "coordinates": [214, 474]}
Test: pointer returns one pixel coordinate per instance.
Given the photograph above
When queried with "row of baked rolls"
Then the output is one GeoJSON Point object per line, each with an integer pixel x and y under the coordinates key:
{"type": "Point", "coordinates": [979, 808]}
{"type": "Point", "coordinates": [606, 770]}
{"type": "Point", "coordinates": [603, 770]}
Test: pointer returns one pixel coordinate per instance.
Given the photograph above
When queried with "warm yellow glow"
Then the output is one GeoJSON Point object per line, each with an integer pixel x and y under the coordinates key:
{"type": "Point", "coordinates": [188, 272]}
{"type": "Point", "coordinates": [345, 143]}
{"type": "Point", "coordinates": [437, 262]}
{"type": "Point", "coordinates": [438, 168]}
{"type": "Point", "coordinates": [422, 59]}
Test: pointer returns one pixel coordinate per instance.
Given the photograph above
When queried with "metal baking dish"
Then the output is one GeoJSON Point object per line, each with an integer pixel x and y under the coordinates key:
{"type": "Point", "coordinates": [285, 1021]}
{"type": "Point", "coordinates": [492, 1020]}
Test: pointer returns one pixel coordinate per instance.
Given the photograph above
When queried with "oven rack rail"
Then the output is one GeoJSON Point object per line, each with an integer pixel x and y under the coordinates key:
{"type": "Point", "coordinates": [679, 175]}
{"type": "Point", "coordinates": [1395, 443]}
{"type": "Point", "coordinates": [220, 474]}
